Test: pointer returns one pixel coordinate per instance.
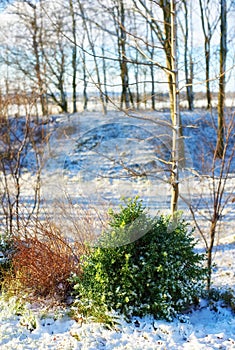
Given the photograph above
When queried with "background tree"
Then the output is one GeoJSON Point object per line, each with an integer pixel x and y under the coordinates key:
{"type": "Point", "coordinates": [150, 48]}
{"type": "Point", "coordinates": [209, 20]}
{"type": "Point", "coordinates": [15, 148]}
{"type": "Point", "coordinates": [215, 178]}
{"type": "Point", "coordinates": [24, 53]}
{"type": "Point", "coordinates": [84, 71]}
{"type": "Point", "coordinates": [188, 63]}
{"type": "Point", "coordinates": [119, 18]}
{"type": "Point", "coordinates": [161, 26]}
{"type": "Point", "coordinates": [55, 52]}
{"type": "Point", "coordinates": [74, 55]}
{"type": "Point", "coordinates": [88, 30]}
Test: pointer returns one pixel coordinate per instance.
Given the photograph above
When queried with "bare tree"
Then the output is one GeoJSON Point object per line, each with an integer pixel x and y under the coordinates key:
{"type": "Point", "coordinates": [188, 63]}
{"type": "Point", "coordinates": [104, 66]}
{"type": "Point", "coordinates": [92, 47]}
{"type": "Point", "coordinates": [118, 13]}
{"type": "Point", "coordinates": [216, 179]}
{"type": "Point", "coordinates": [209, 26]}
{"type": "Point", "coordinates": [36, 41]}
{"type": "Point", "coordinates": [55, 52]}
{"type": "Point", "coordinates": [25, 56]}
{"type": "Point", "coordinates": [74, 55]}
{"type": "Point", "coordinates": [136, 67]}
{"type": "Point", "coordinates": [84, 71]}
{"type": "Point", "coordinates": [19, 138]}
{"type": "Point", "coordinates": [150, 48]}
{"type": "Point", "coordinates": [121, 31]}
{"type": "Point", "coordinates": [166, 34]}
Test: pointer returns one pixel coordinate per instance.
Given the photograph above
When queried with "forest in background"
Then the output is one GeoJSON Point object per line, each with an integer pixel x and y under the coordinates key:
{"type": "Point", "coordinates": [71, 53]}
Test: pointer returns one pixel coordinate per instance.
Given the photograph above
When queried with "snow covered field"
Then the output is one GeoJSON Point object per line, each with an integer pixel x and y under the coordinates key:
{"type": "Point", "coordinates": [91, 159]}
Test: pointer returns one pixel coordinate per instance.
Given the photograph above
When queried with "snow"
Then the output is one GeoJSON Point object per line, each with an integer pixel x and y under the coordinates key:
{"type": "Point", "coordinates": [82, 163]}
{"type": "Point", "coordinates": [204, 328]}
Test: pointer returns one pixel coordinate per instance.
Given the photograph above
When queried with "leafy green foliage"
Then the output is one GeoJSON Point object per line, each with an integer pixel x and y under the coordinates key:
{"type": "Point", "coordinates": [160, 273]}
{"type": "Point", "coordinates": [216, 296]}
{"type": "Point", "coordinates": [94, 311]}
{"type": "Point", "coordinates": [229, 298]}
{"type": "Point", "coordinates": [6, 249]}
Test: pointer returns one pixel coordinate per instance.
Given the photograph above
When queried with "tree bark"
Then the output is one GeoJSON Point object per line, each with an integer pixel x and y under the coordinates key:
{"type": "Point", "coordinates": [85, 96]}
{"type": "Point", "coordinates": [175, 110]}
{"type": "Point", "coordinates": [207, 58]}
{"type": "Point", "coordinates": [187, 65]}
{"type": "Point", "coordinates": [222, 82]}
{"type": "Point", "coordinates": [152, 72]}
{"type": "Point", "coordinates": [125, 96]}
{"type": "Point", "coordinates": [74, 58]}
{"type": "Point", "coordinates": [38, 69]}
{"type": "Point", "coordinates": [104, 73]}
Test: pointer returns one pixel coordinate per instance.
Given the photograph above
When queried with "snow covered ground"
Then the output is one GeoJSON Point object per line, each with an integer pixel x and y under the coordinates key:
{"type": "Point", "coordinates": [208, 327]}
{"type": "Point", "coordinates": [96, 160]}
{"type": "Point", "coordinates": [91, 159]}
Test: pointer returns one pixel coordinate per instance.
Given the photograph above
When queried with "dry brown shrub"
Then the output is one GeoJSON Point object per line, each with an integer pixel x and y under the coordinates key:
{"type": "Point", "coordinates": [44, 259]}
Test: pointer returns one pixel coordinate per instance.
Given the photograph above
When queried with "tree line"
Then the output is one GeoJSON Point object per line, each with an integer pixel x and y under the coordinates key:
{"type": "Point", "coordinates": [51, 50]}
{"type": "Point", "coordinates": [57, 51]}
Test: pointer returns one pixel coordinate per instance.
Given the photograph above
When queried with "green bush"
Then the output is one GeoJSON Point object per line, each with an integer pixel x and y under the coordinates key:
{"type": "Point", "coordinates": [6, 249]}
{"type": "Point", "coordinates": [160, 273]}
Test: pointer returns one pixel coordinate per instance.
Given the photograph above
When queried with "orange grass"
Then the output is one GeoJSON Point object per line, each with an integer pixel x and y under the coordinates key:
{"type": "Point", "coordinates": [44, 259]}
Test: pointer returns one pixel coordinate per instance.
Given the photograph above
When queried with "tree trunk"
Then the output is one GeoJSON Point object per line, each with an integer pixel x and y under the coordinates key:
{"type": "Point", "coordinates": [221, 95]}
{"type": "Point", "coordinates": [152, 73]}
{"type": "Point", "coordinates": [171, 52]}
{"type": "Point", "coordinates": [38, 69]}
{"type": "Point", "coordinates": [151, 51]}
{"type": "Point", "coordinates": [126, 97]}
{"type": "Point", "coordinates": [210, 250]}
{"type": "Point", "coordinates": [85, 97]}
{"type": "Point", "coordinates": [83, 55]}
{"type": "Point", "coordinates": [63, 96]}
{"type": "Point", "coordinates": [91, 43]}
{"type": "Point", "coordinates": [137, 84]}
{"type": "Point", "coordinates": [104, 74]}
{"type": "Point", "coordinates": [190, 86]}
{"type": "Point", "coordinates": [174, 112]}
{"type": "Point", "coordinates": [74, 58]}
{"type": "Point", "coordinates": [124, 71]}
{"type": "Point", "coordinates": [187, 68]}
{"type": "Point", "coordinates": [207, 57]}
{"type": "Point", "coordinates": [136, 69]}
{"type": "Point", "coordinates": [170, 48]}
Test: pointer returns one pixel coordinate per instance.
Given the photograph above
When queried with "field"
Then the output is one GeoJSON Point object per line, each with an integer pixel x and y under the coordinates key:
{"type": "Point", "coordinates": [91, 161]}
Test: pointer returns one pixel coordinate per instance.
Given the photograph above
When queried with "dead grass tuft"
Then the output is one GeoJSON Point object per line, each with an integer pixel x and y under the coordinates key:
{"type": "Point", "coordinates": [44, 259]}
